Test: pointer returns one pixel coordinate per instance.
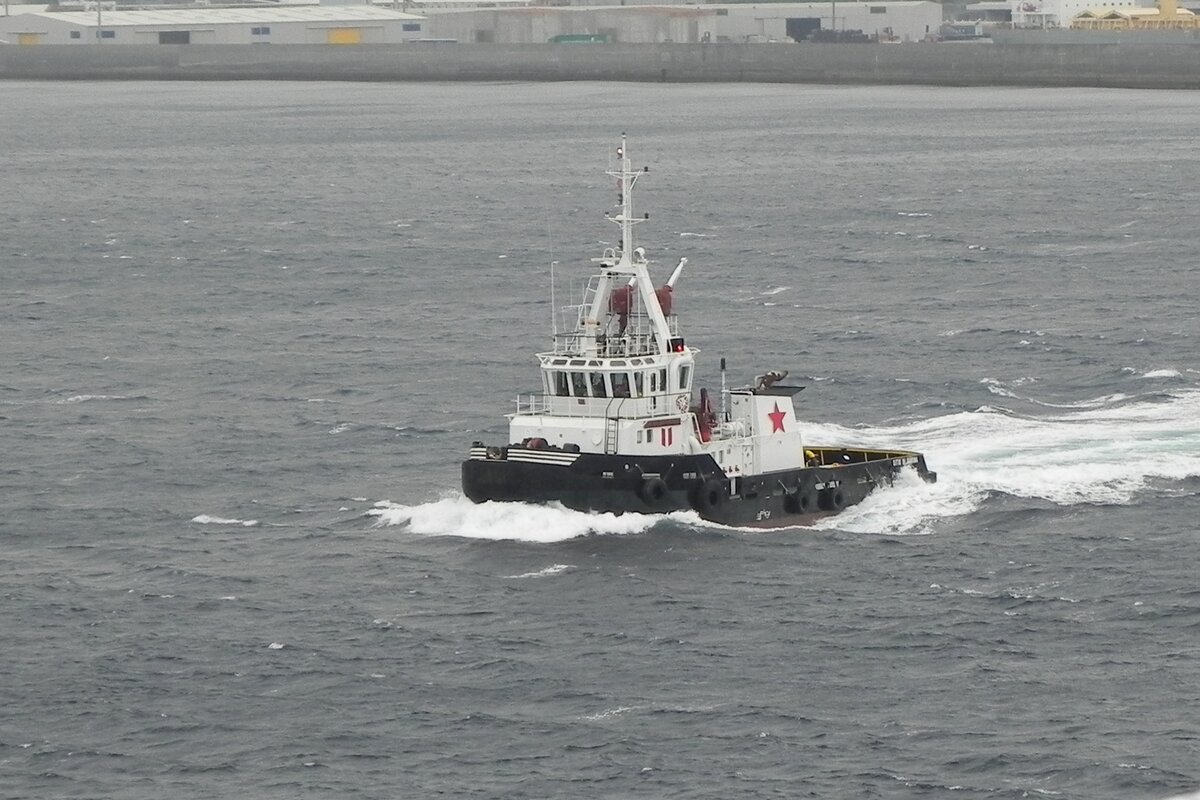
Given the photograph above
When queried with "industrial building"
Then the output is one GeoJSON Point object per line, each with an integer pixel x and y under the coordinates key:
{"type": "Point", "coordinates": [1166, 16]}
{"type": "Point", "coordinates": [897, 21]}
{"type": "Point", "coordinates": [901, 20]}
{"type": "Point", "coordinates": [1127, 15]}
{"type": "Point", "coordinates": [283, 25]}
{"type": "Point", "coordinates": [477, 21]}
{"type": "Point", "coordinates": [591, 25]}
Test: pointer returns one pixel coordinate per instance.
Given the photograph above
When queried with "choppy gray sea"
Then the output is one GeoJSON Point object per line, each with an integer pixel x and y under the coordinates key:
{"type": "Point", "coordinates": [248, 331]}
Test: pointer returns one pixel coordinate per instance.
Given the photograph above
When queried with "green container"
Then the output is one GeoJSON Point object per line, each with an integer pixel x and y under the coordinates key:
{"type": "Point", "coordinates": [581, 38]}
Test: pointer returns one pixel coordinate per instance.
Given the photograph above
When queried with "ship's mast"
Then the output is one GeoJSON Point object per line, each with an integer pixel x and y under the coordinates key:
{"type": "Point", "coordinates": [626, 180]}
{"type": "Point", "coordinates": [631, 264]}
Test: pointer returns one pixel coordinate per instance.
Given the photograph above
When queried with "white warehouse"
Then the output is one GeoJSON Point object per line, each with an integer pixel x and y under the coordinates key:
{"type": "Point", "coordinates": [286, 25]}
{"type": "Point", "coordinates": [896, 20]}
{"type": "Point", "coordinates": [888, 20]}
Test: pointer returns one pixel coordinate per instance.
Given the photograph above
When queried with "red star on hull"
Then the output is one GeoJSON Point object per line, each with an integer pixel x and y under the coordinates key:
{"type": "Point", "coordinates": [776, 418]}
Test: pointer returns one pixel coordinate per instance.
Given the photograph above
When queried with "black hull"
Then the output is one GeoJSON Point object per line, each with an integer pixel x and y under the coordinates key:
{"type": "Point", "coordinates": [662, 484]}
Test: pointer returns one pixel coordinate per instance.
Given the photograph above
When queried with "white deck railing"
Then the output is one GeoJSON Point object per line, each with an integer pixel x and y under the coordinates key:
{"type": "Point", "coordinates": [637, 340]}
{"type": "Point", "coordinates": [595, 407]}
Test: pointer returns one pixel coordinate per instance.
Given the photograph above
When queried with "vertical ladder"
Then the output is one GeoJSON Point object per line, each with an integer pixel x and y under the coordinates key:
{"type": "Point", "coordinates": [610, 435]}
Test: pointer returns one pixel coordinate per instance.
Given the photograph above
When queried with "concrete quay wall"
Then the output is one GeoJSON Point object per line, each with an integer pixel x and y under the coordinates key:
{"type": "Point", "coordinates": [1167, 66]}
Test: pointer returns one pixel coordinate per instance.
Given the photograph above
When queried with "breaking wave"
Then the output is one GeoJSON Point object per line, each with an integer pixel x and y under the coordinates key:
{"type": "Point", "coordinates": [553, 569]}
{"type": "Point", "coordinates": [206, 519]}
{"type": "Point", "coordinates": [458, 516]}
{"type": "Point", "coordinates": [1162, 373]}
{"type": "Point", "coordinates": [1102, 453]}
{"type": "Point", "coordinates": [84, 398]}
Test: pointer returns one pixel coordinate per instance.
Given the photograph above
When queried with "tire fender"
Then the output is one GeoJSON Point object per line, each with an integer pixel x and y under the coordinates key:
{"type": "Point", "coordinates": [653, 491]}
{"type": "Point", "coordinates": [709, 495]}
{"type": "Point", "coordinates": [833, 499]}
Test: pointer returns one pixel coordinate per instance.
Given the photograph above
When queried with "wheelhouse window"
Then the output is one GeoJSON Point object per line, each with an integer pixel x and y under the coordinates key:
{"type": "Point", "coordinates": [620, 384]}
{"type": "Point", "coordinates": [598, 387]}
{"type": "Point", "coordinates": [579, 384]}
{"type": "Point", "coordinates": [685, 377]}
{"type": "Point", "coordinates": [639, 388]}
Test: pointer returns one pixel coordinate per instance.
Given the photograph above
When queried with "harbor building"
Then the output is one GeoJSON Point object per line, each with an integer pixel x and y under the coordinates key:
{"type": "Point", "coordinates": [1111, 15]}
{"type": "Point", "coordinates": [192, 25]}
{"type": "Point", "coordinates": [897, 21]}
{"type": "Point", "coordinates": [1166, 16]}
{"type": "Point", "coordinates": [1056, 13]}
{"type": "Point", "coordinates": [479, 21]}
{"type": "Point", "coordinates": [575, 25]}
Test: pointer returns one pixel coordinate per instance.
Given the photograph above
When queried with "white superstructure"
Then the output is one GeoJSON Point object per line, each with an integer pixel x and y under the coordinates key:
{"type": "Point", "coordinates": [619, 379]}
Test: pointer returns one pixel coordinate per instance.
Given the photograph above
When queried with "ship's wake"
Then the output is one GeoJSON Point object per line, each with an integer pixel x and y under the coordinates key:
{"type": "Point", "coordinates": [1108, 452]}
{"type": "Point", "coordinates": [458, 516]}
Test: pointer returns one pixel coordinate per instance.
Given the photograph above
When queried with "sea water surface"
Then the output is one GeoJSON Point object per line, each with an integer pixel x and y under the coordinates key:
{"type": "Point", "coordinates": [249, 331]}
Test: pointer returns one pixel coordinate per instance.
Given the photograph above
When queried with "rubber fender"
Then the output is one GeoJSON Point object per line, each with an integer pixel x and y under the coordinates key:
{"type": "Point", "coordinates": [653, 491]}
{"type": "Point", "coordinates": [710, 495]}
{"type": "Point", "coordinates": [799, 502]}
{"type": "Point", "coordinates": [833, 499]}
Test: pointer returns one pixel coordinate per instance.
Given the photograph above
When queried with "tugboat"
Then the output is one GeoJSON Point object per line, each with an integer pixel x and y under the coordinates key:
{"type": "Point", "coordinates": [616, 427]}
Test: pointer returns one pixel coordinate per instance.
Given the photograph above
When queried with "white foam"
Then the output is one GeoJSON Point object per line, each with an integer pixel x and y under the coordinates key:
{"type": "Point", "coordinates": [205, 519]}
{"type": "Point", "coordinates": [555, 569]}
{"type": "Point", "coordinates": [83, 398]}
{"type": "Point", "coordinates": [775, 291]}
{"type": "Point", "coordinates": [1102, 455]}
{"type": "Point", "coordinates": [1163, 373]}
{"type": "Point", "coordinates": [995, 387]}
{"type": "Point", "coordinates": [906, 508]}
{"type": "Point", "coordinates": [458, 516]}
{"type": "Point", "coordinates": [611, 712]}
{"type": "Point", "coordinates": [998, 388]}
{"type": "Point", "coordinates": [1096, 402]}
